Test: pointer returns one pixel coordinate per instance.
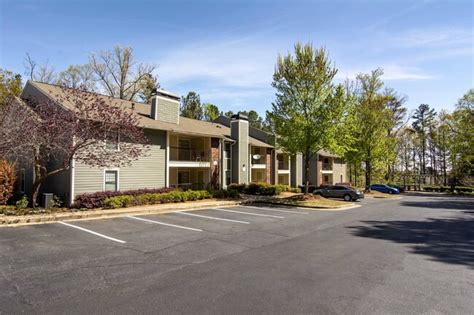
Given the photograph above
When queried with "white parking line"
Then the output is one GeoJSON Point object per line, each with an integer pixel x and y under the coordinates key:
{"type": "Point", "coordinates": [271, 209]}
{"type": "Point", "coordinates": [249, 213]}
{"type": "Point", "coordinates": [212, 218]}
{"type": "Point", "coordinates": [163, 223]}
{"type": "Point", "coordinates": [92, 232]}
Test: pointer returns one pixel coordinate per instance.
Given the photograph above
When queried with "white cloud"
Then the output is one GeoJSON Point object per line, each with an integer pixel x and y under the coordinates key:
{"type": "Point", "coordinates": [391, 72]}
{"type": "Point", "coordinates": [434, 37]}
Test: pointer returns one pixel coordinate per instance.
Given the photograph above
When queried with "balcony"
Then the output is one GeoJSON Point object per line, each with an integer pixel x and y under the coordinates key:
{"type": "Point", "coordinates": [186, 157]}
{"type": "Point", "coordinates": [326, 167]}
{"type": "Point", "coordinates": [283, 165]}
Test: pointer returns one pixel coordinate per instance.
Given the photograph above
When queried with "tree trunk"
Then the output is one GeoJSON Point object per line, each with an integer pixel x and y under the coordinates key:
{"type": "Point", "coordinates": [34, 193]}
{"type": "Point", "coordinates": [368, 175]}
{"type": "Point", "coordinates": [306, 171]}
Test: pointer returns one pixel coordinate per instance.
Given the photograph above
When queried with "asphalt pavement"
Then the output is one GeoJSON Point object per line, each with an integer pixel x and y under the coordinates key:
{"type": "Point", "coordinates": [407, 256]}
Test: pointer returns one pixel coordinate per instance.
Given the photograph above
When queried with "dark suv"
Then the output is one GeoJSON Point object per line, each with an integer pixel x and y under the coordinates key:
{"type": "Point", "coordinates": [344, 192]}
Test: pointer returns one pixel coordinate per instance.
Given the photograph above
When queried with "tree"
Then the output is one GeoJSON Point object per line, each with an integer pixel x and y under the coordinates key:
{"type": "Point", "coordinates": [10, 85]}
{"type": "Point", "coordinates": [229, 114]}
{"type": "Point", "coordinates": [211, 111]}
{"type": "Point", "coordinates": [462, 137]}
{"type": "Point", "coordinates": [191, 106]}
{"type": "Point", "coordinates": [50, 136]}
{"type": "Point", "coordinates": [119, 74]}
{"type": "Point", "coordinates": [148, 87]}
{"type": "Point", "coordinates": [78, 77]}
{"type": "Point", "coordinates": [397, 113]}
{"type": "Point", "coordinates": [423, 120]}
{"type": "Point", "coordinates": [308, 108]}
{"type": "Point", "coordinates": [372, 120]}
{"type": "Point", "coordinates": [41, 73]}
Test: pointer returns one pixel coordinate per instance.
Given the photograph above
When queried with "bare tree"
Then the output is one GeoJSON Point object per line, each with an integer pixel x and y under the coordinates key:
{"type": "Point", "coordinates": [119, 74]}
{"type": "Point", "coordinates": [90, 130]}
{"type": "Point", "coordinates": [41, 73]}
{"type": "Point", "coordinates": [78, 77]}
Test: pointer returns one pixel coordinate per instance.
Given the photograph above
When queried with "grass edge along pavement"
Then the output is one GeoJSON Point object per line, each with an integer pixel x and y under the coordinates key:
{"type": "Point", "coordinates": [12, 220]}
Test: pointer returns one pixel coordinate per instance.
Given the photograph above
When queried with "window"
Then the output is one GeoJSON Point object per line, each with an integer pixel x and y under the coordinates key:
{"type": "Point", "coordinates": [227, 177]}
{"type": "Point", "coordinates": [112, 141]}
{"type": "Point", "coordinates": [22, 181]}
{"type": "Point", "coordinates": [227, 151]}
{"type": "Point", "coordinates": [111, 180]}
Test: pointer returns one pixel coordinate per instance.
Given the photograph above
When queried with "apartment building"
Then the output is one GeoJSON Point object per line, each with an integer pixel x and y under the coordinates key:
{"type": "Point", "coordinates": [185, 153]}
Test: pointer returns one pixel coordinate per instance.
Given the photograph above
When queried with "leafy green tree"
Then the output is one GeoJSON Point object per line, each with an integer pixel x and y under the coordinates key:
{"type": "Point", "coordinates": [423, 120]}
{"type": "Point", "coordinates": [372, 120]}
{"type": "Point", "coordinates": [308, 107]}
{"type": "Point", "coordinates": [229, 113]}
{"type": "Point", "coordinates": [10, 85]}
{"type": "Point", "coordinates": [191, 106]}
{"type": "Point", "coordinates": [397, 114]}
{"type": "Point", "coordinates": [211, 111]}
{"type": "Point", "coordinates": [462, 138]}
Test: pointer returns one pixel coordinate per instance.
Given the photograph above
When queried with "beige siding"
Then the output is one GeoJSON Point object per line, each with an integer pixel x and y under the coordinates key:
{"type": "Point", "coordinates": [339, 171]}
{"type": "Point", "coordinates": [167, 109]}
{"type": "Point", "coordinates": [147, 172]}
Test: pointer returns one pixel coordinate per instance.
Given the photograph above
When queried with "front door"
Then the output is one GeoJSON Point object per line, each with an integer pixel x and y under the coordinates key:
{"type": "Point", "coordinates": [183, 178]}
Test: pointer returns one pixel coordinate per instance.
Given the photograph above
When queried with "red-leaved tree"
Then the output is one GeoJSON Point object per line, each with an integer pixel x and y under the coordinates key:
{"type": "Point", "coordinates": [72, 125]}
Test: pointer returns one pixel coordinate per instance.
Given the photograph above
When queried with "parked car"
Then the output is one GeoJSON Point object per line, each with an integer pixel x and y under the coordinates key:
{"type": "Point", "coordinates": [338, 191]}
{"type": "Point", "coordinates": [400, 188]}
{"type": "Point", "coordinates": [384, 189]}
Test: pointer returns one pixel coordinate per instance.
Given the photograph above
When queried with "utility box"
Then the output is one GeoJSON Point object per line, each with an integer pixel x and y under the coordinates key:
{"type": "Point", "coordinates": [48, 200]}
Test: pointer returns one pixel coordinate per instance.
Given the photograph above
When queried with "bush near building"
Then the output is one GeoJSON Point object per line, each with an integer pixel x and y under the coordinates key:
{"type": "Point", "coordinates": [457, 189]}
{"type": "Point", "coordinates": [96, 200]}
{"type": "Point", "coordinates": [262, 189]}
{"type": "Point", "coordinates": [7, 181]}
{"type": "Point", "coordinates": [124, 201]}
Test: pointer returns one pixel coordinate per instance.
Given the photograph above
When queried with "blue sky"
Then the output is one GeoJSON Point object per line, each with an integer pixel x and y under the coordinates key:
{"type": "Point", "coordinates": [226, 50]}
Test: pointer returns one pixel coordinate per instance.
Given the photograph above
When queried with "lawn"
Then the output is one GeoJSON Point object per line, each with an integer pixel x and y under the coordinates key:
{"type": "Point", "coordinates": [311, 201]}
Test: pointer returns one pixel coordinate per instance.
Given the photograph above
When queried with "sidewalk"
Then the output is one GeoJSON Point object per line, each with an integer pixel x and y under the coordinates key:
{"type": "Point", "coordinates": [13, 220]}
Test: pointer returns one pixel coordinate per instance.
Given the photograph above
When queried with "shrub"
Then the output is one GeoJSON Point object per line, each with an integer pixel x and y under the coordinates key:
{"type": "Point", "coordinates": [22, 203]}
{"type": "Point", "coordinates": [223, 193]}
{"type": "Point", "coordinates": [124, 201]}
{"type": "Point", "coordinates": [237, 187]}
{"type": "Point", "coordinates": [96, 200]}
{"type": "Point", "coordinates": [7, 181]}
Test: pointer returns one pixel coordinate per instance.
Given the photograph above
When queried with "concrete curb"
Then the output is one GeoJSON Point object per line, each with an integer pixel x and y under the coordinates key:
{"type": "Point", "coordinates": [385, 198]}
{"type": "Point", "coordinates": [14, 221]}
{"type": "Point", "coordinates": [329, 209]}
{"type": "Point", "coordinates": [305, 207]}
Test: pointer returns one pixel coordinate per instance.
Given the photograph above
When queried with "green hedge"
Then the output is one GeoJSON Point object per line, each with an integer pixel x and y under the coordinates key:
{"type": "Point", "coordinates": [263, 189]}
{"type": "Point", "coordinates": [124, 201]}
{"type": "Point", "coordinates": [458, 189]}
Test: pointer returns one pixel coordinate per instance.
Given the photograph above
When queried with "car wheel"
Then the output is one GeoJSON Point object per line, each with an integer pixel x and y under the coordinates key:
{"type": "Point", "coordinates": [347, 198]}
{"type": "Point", "coordinates": [390, 192]}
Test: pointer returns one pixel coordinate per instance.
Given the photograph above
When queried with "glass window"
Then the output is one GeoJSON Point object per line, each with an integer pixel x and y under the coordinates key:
{"type": "Point", "coordinates": [112, 141]}
{"type": "Point", "coordinates": [227, 178]}
{"type": "Point", "coordinates": [111, 180]}
{"type": "Point", "coordinates": [22, 181]}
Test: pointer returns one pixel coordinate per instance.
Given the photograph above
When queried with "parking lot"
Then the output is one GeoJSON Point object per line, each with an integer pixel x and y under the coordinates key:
{"type": "Point", "coordinates": [189, 260]}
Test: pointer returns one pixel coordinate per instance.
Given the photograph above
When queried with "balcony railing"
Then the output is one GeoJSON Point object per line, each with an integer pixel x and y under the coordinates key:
{"type": "Point", "coordinates": [190, 155]}
{"type": "Point", "coordinates": [327, 166]}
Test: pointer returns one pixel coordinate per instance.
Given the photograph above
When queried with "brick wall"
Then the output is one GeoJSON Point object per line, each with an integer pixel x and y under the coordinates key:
{"type": "Point", "coordinates": [268, 169]}
{"type": "Point", "coordinates": [319, 174]}
{"type": "Point", "coordinates": [215, 158]}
